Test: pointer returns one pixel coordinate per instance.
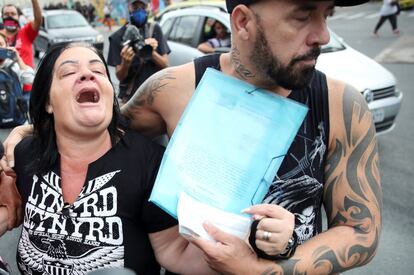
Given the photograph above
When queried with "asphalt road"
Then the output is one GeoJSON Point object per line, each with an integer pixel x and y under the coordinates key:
{"type": "Point", "coordinates": [396, 151]}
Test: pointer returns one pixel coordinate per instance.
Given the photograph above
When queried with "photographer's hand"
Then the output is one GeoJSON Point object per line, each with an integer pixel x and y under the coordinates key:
{"type": "Point", "coordinates": [18, 59]}
{"type": "Point", "coordinates": [127, 55]}
{"type": "Point", "coordinates": [160, 60]}
{"type": "Point", "coordinates": [152, 42]}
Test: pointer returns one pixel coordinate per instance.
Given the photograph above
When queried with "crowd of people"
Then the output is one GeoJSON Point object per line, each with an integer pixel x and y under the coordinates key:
{"type": "Point", "coordinates": [79, 177]}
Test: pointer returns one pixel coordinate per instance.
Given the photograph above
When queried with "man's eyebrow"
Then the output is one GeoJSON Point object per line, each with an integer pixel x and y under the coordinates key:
{"type": "Point", "coordinates": [309, 6]}
{"type": "Point", "coordinates": [306, 6]}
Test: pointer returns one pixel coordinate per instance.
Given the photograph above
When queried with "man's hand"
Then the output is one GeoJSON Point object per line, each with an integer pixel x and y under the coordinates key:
{"type": "Point", "coordinates": [10, 198]}
{"type": "Point", "coordinates": [15, 136]}
{"type": "Point", "coordinates": [279, 224]}
{"type": "Point", "coordinates": [127, 54]}
{"type": "Point", "coordinates": [229, 255]}
{"type": "Point", "coordinates": [152, 42]}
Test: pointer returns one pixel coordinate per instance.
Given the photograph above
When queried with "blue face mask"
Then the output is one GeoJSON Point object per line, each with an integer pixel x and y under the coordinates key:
{"type": "Point", "coordinates": [138, 17]}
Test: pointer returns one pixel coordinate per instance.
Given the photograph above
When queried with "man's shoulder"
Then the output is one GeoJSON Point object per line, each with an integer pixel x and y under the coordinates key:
{"type": "Point", "coordinates": [177, 76]}
{"type": "Point", "coordinates": [117, 35]}
{"type": "Point", "coordinates": [27, 28]}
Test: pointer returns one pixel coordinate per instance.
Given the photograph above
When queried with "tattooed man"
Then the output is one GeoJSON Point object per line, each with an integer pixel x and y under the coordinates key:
{"type": "Point", "coordinates": [333, 161]}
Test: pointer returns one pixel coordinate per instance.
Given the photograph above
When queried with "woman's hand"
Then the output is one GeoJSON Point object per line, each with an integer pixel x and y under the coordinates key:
{"type": "Point", "coordinates": [274, 229]}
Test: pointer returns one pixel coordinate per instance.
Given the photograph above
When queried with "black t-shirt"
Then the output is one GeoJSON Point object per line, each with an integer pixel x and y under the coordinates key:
{"type": "Point", "coordinates": [108, 224]}
{"type": "Point", "coordinates": [298, 185]}
{"type": "Point", "coordinates": [139, 70]}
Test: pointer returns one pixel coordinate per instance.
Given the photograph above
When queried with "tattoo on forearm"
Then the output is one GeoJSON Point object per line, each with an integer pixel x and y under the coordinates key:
{"type": "Point", "coordinates": [270, 271]}
{"type": "Point", "coordinates": [148, 91]}
{"type": "Point", "coordinates": [354, 160]}
{"type": "Point", "coordinates": [241, 70]}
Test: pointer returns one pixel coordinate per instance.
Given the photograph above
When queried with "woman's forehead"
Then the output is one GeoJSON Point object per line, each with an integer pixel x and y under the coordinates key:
{"type": "Point", "coordinates": [78, 53]}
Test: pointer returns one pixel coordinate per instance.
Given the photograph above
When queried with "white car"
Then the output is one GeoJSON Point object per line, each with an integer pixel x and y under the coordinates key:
{"type": "Point", "coordinates": [185, 27]}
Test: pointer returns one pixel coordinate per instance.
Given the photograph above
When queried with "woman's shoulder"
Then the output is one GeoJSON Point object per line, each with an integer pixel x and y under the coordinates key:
{"type": "Point", "coordinates": [134, 140]}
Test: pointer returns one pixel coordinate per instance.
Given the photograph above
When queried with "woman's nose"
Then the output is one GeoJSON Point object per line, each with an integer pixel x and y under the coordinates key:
{"type": "Point", "coordinates": [87, 75]}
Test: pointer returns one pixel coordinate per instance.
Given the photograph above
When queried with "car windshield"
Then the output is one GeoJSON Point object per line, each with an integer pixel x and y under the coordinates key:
{"type": "Point", "coordinates": [60, 21]}
{"type": "Point", "coordinates": [334, 44]}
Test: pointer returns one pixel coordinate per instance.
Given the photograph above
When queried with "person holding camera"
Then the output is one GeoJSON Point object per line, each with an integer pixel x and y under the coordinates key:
{"type": "Point", "coordinates": [9, 57]}
{"type": "Point", "coordinates": [137, 50]}
{"type": "Point", "coordinates": [22, 37]}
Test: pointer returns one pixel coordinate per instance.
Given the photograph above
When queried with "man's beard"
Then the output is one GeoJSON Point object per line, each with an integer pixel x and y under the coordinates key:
{"type": "Point", "coordinates": [289, 77]}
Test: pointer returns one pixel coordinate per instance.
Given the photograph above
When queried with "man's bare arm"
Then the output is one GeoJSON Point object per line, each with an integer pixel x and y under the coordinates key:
{"type": "Point", "coordinates": [176, 254]}
{"type": "Point", "coordinates": [143, 109]}
{"type": "Point", "coordinates": [15, 136]}
{"type": "Point", "coordinates": [352, 194]}
{"type": "Point", "coordinates": [37, 14]}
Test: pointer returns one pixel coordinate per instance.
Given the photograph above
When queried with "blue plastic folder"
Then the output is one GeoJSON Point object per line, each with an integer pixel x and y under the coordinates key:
{"type": "Point", "coordinates": [227, 146]}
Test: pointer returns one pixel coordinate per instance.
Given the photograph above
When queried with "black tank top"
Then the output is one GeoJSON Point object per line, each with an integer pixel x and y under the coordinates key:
{"type": "Point", "coordinates": [298, 185]}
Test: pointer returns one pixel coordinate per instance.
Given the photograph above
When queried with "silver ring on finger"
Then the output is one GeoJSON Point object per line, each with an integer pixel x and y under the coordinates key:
{"type": "Point", "coordinates": [266, 235]}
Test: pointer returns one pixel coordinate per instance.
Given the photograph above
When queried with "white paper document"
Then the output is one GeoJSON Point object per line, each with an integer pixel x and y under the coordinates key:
{"type": "Point", "coordinates": [192, 214]}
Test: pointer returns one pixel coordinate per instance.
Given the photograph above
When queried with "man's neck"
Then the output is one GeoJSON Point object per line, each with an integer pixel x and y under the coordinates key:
{"type": "Point", "coordinates": [228, 67]}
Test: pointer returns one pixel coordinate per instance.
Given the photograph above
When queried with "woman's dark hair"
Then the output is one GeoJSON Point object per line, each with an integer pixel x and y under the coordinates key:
{"type": "Point", "coordinates": [45, 147]}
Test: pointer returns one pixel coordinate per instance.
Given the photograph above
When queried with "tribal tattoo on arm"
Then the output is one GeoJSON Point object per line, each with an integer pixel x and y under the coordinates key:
{"type": "Point", "coordinates": [146, 93]}
{"type": "Point", "coordinates": [143, 113]}
{"type": "Point", "coordinates": [352, 197]}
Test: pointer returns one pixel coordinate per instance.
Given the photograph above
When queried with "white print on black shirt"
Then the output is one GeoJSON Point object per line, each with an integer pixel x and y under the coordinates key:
{"type": "Point", "coordinates": [82, 238]}
{"type": "Point", "coordinates": [298, 190]}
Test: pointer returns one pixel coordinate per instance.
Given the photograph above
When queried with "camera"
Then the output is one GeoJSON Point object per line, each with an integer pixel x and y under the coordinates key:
{"type": "Point", "coordinates": [133, 38]}
{"type": "Point", "coordinates": [6, 53]}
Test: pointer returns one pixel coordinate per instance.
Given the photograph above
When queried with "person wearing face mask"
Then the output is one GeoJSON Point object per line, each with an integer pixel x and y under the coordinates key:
{"type": "Point", "coordinates": [22, 38]}
{"type": "Point", "coordinates": [133, 67]}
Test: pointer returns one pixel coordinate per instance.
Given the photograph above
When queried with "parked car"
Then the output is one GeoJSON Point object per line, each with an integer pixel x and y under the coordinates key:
{"type": "Point", "coordinates": [375, 82]}
{"type": "Point", "coordinates": [65, 25]}
{"type": "Point", "coordinates": [406, 4]}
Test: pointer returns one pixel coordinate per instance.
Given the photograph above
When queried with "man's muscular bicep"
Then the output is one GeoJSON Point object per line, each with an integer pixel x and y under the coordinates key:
{"type": "Point", "coordinates": [352, 192]}
{"type": "Point", "coordinates": [144, 109]}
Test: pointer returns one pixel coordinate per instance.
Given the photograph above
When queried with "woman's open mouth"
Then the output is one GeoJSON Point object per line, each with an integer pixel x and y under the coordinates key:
{"type": "Point", "coordinates": [88, 95]}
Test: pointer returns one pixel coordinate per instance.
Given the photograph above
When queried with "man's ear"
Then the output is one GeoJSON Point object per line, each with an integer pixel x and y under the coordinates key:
{"type": "Point", "coordinates": [243, 20]}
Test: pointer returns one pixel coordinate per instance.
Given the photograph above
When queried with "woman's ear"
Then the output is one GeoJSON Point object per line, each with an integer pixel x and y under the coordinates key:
{"type": "Point", "coordinates": [49, 108]}
{"type": "Point", "coordinates": [242, 19]}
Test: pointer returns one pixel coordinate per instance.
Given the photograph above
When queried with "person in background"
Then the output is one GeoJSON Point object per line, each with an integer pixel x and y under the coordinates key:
{"type": "Point", "coordinates": [107, 16]}
{"type": "Point", "coordinates": [132, 66]}
{"type": "Point", "coordinates": [22, 38]}
{"type": "Point", "coordinates": [221, 39]}
{"type": "Point", "coordinates": [25, 72]}
{"type": "Point", "coordinates": [389, 10]}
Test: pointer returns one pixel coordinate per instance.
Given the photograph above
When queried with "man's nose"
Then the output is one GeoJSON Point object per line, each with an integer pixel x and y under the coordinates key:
{"type": "Point", "coordinates": [320, 34]}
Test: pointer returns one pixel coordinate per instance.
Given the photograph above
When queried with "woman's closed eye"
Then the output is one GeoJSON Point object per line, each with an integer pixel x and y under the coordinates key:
{"type": "Point", "coordinates": [67, 73]}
